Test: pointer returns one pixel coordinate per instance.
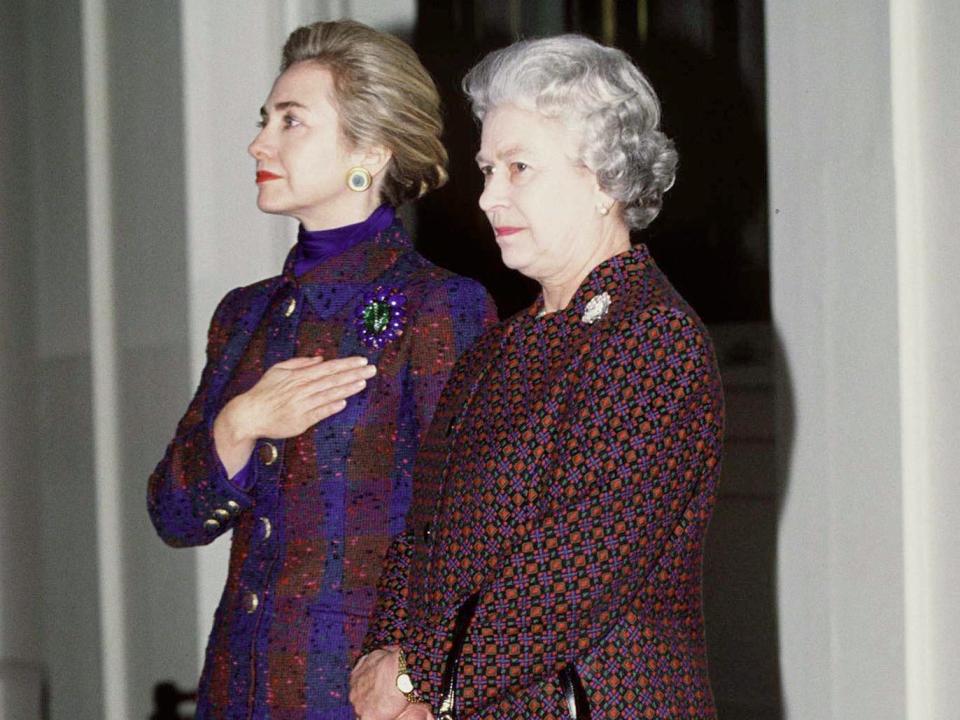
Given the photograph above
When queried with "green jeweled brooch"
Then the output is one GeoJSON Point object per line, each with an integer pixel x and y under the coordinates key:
{"type": "Point", "coordinates": [381, 317]}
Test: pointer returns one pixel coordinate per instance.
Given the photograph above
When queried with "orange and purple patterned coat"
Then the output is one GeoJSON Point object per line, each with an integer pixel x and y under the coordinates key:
{"type": "Point", "coordinates": [309, 536]}
{"type": "Point", "coordinates": [567, 482]}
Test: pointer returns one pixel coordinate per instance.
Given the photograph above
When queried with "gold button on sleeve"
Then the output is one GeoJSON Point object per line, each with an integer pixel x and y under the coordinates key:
{"type": "Point", "coordinates": [211, 524]}
{"type": "Point", "coordinates": [268, 453]}
{"type": "Point", "coordinates": [233, 507]}
{"type": "Point", "coordinates": [221, 515]}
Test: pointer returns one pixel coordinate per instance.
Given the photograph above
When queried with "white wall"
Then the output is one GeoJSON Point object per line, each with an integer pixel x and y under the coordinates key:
{"type": "Point", "coordinates": [861, 108]}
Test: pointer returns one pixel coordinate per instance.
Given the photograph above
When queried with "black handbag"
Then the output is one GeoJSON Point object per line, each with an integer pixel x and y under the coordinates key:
{"type": "Point", "coordinates": [576, 697]}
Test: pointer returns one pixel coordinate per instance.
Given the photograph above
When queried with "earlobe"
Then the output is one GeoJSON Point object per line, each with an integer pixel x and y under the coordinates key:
{"type": "Point", "coordinates": [603, 202]}
{"type": "Point", "coordinates": [600, 197]}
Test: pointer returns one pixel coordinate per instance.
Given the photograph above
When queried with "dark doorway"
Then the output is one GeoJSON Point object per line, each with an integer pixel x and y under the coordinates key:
{"type": "Point", "coordinates": [705, 58]}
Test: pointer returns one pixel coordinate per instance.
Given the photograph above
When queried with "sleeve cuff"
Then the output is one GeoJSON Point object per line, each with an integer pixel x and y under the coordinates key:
{"type": "Point", "coordinates": [243, 480]}
{"type": "Point", "coordinates": [245, 477]}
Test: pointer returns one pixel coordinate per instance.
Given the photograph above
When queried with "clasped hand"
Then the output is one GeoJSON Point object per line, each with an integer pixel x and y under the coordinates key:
{"type": "Point", "coordinates": [373, 689]}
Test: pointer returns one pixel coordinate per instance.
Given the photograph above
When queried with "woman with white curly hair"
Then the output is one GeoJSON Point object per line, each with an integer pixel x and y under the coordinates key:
{"type": "Point", "coordinates": [551, 565]}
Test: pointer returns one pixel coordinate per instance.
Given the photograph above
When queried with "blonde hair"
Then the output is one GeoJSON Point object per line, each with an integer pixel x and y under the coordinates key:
{"type": "Point", "coordinates": [384, 96]}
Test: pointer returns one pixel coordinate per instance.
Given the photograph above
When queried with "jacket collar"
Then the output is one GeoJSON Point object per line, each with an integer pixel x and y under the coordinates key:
{"type": "Point", "coordinates": [612, 277]}
{"type": "Point", "coordinates": [336, 281]}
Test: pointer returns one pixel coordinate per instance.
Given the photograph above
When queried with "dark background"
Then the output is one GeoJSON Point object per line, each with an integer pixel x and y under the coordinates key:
{"type": "Point", "coordinates": [711, 237]}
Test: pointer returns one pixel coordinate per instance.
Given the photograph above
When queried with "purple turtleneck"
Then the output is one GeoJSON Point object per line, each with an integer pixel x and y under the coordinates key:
{"type": "Point", "coordinates": [315, 246]}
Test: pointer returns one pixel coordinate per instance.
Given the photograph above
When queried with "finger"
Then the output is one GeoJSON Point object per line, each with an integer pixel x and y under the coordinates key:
{"type": "Point", "coordinates": [344, 377]}
{"type": "Point", "coordinates": [329, 395]}
{"type": "Point", "coordinates": [331, 387]}
{"type": "Point", "coordinates": [332, 367]}
{"type": "Point", "coordinates": [322, 412]}
{"type": "Point", "coordinates": [295, 363]}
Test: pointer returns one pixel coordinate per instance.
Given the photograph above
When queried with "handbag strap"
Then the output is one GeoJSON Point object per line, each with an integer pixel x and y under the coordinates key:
{"type": "Point", "coordinates": [448, 685]}
{"type": "Point", "coordinates": [570, 684]}
{"type": "Point", "coordinates": [576, 697]}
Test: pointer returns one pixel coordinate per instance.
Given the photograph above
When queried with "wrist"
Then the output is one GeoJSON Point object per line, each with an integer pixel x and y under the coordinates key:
{"type": "Point", "coordinates": [230, 425]}
{"type": "Point", "coordinates": [405, 683]}
{"type": "Point", "coordinates": [233, 446]}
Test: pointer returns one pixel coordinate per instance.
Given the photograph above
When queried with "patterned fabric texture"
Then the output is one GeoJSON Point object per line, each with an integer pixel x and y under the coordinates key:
{"type": "Point", "coordinates": [309, 536]}
{"type": "Point", "coordinates": [568, 477]}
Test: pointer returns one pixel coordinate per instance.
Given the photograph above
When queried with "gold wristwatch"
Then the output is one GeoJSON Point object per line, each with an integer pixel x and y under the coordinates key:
{"type": "Point", "coordinates": [405, 682]}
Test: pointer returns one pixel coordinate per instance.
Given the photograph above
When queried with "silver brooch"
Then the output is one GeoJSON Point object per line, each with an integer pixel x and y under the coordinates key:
{"type": "Point", "coordinates": [596, 308]}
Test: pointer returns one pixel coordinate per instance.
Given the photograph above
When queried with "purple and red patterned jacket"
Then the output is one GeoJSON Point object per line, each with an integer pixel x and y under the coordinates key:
{"type": "Point", "coordinates": [567, 480]}
{"type": "Point", "coordinates": [310, 534]}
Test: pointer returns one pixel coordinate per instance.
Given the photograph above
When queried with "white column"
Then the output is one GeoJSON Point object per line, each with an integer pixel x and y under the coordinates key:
{"type": "Point", "coordinates": [69, 603]}
{"type": "Point", "coordinates": [926, 94]}
{"type": "Point", "coordinates": [835, 302]}
{"type": "Point", "coordinates": [864, 169]}
{"type": "Point", "coordinates": [150, 357]}
{"type": "Point", "coordinates": [103, 358]}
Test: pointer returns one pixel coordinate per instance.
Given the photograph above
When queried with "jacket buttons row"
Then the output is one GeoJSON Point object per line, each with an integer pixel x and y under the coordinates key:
{"type": "Point", "coordinates": [267, 527]}
{"type": "Point", "coordinates": [221, 515]}
{"type": "Point", "coordinates": [251, 602]}
{"type": "Point", "coordinates": [268, 453]}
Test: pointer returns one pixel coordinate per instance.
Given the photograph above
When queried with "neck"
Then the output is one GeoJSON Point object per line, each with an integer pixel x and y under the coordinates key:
{"type": "Point", "coordinates": [352, 209]}
{"type": "Point", "coordinates": [559, 291]}
{"type": "Point", "coordinates": [317, 246]}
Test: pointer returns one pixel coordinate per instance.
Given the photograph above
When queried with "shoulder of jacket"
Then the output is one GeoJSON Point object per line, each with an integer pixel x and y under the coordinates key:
{"type": "Point", "coordinates": [239, 299]}
{"type": "Point", "coordinates": [426, 279]}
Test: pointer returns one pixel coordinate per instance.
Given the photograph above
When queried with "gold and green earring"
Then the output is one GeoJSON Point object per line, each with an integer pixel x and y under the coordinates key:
{"type": "Point", "coordinates": [359, 179]}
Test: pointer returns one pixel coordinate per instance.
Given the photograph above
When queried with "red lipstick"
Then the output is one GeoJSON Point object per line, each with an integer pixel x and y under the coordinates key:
{"type": "Point", "coordinates": [506, 230]}
{"type": "Point", "coordinates": [265, 175]}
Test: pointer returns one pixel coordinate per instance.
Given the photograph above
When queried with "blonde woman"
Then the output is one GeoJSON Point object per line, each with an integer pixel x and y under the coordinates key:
{"type": "Point", "coordinates": [319, 381]}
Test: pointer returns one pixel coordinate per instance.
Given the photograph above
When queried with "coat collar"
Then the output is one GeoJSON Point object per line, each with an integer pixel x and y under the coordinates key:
{"type": "Point", "coordinates": [336, 281]}
{"type": "Point", "coordinates": [614, 276]}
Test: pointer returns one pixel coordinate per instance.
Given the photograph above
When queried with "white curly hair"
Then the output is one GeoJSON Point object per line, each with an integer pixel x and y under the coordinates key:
{"type": "Point", "coordinates": [599, 91]}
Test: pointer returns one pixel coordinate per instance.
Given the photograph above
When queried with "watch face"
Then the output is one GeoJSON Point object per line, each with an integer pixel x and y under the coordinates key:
{"type": "Point", "coordinates": [404, 683]}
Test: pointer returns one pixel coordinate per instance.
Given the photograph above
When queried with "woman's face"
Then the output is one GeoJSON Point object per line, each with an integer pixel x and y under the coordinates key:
{"type": "Point", "coordinates": [302, 158]}
{"type": "Point", "coordinates": [541, 202]}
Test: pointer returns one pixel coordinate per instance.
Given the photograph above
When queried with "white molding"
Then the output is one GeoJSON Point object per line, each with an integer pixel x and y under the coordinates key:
{"type": "Point", "coordinates": [914, 386]}
{"type": "Point", "coordinates": [103, 354]}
